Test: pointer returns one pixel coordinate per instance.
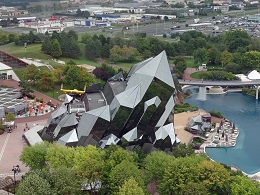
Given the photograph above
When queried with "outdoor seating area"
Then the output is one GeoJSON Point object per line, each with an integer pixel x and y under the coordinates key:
{"type": "Point", "coordinates": [35, 108]}
{"type": "Point", "coordinates": [225, 136]}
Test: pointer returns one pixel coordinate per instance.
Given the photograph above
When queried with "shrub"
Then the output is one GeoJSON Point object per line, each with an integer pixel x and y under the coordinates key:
{"type": "Point", "coordinates": [216, 114]}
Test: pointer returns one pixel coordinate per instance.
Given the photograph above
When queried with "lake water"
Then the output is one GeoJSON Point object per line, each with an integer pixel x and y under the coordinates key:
{"type": "Point", "coordinates": [244, 111]}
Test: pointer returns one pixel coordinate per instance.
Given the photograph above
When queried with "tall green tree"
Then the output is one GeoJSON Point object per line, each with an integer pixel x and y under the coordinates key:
{"type": "Point", "coordinates": [251, 60]}
{"type": "Point", "coordinates": [63, 180]}
{"type": "Point", "coordinates": [130, 187]}
{"type": "Point", "coordinates": [243, 185]}
{"type": "Point", "coordinates": [178, 174]}
{"type": "Point", "coordinates": [226, 57]}
{"type": "Point", "coordinates": [35, 156]}
{"type": "Point", "coordinates": [214, 176]}
{"type": "Point", "coordinates": [46, 45]}
{"type": "Point", "coordinates": [60, 156]}
{"type": "Point", "coordinates": [201, 55]}
{"type": "Point", "coordinates": [34, 184]}
{"type": "Point", "coordinates": [31, 73]}
{"type": "Point", "coordinates": [88, 164]}
{"type": "Point", "coordinates": [3, 38]}
{"type": "Point", "coordinates": [46, 80]}
{"type": "Point", "coordinates": [25, 88]}
{"type": "Point", "coordinates": [32, 37]}
{"type": "Point", "coordinates": [56, 49]}
{"type": "Point", "coordinates": [155, 165]}
{"type": "Point", "coordinates": [236, 39]}
{"type": "Point", "coordinates": [121, 173]}
{"type": "Point", "coordinates": [77, 77]}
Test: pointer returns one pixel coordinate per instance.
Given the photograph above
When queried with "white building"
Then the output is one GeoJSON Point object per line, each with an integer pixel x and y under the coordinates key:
{"type": "Point", "coordinates": [6, 72]}
{"type": "Point", "coordinates": [49, 25]}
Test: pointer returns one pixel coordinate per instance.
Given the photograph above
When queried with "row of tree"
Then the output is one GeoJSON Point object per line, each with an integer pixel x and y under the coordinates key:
{"type": "Point", "coordinates": [62, 44]}
{"type": "Point", "coordinates": [232, 47]}
{"type": "Point", "coordinates": [55, 169]}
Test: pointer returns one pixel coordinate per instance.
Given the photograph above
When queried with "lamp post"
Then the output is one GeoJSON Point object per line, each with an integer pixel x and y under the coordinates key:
{"type": "Point", "coordinates": [16, 169]}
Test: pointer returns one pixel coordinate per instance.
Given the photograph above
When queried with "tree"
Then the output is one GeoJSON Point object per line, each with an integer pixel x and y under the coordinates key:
{"type": "Point", "coordinates": [56, 49]}
{"type": "Point", "coordinates": [31, 73]}
{"type": "Point", "coordinates": [235, 39]}
{"type": "Point", "coordinates": [25, 88]}
{"type": "Point", "coordinates": [46, 45]}
{"type": "Point", "coordinates": [46, 80]}
{"type": "Point", "coordinates": [58, 73]}
{"type": "Point", "coordinates": [114, 155]}
{"type": "Point", "coordinates": [116, 54]}
{"type": "Point", "coordinates": [195, 188]}
{"type": "Point", "coordinates": [147, 54]}
{"type": "Point", "coordinates": [214, 176]}
{"type": "Point", "coordinates": [59, 156]}
{"type": "Point", "coordinates": [121, 173]}
{"type": "Point", "coordinates": [251, 60]}
{"type": "Point", "coordinates": [88, 164]}
{"type": "Point", "coordinates": [93, 48]}
{"type": "Point", "coordinates": [33, 184]}
{"type": "Point", "coordinates": [178, 174]}
{"type": "Point", "coordinates": [155, 165]}
{"type": "Point", "coordinates": [233, 68]}
{"type": "Point", "coordinates": [182, 150]}
{"type": "Point", "coordinates": [105, 51]}
{"type": "Point", "coordinates": [73, 34]}
{"type": "Point", "coordinates": [31, 37]}
{"type": "Point", "coordinates": [65, 181]}
{"type": "Point", "coordinates": [201, 55]}
{"type": "Point", "coordinates": [20, 39]}
{"type": "Point", "coordinates": [130, 187]}
{"type": "Point", "coordinates": [226, 57]}
{"type": "Point", "coordinates": [179, 66]}
{"type": "Point", "coordinates": [74, 50]}
{"type": "Point", "coordinates": [35, 156]}
{"type": "Point", "coordinates": [3, 39]}
{"type": "Point", "coordinates": [9, 117]}
{"type": "Point", "coordinates": [243, 185]}
{"type": "Point", "coordinates": [77, 77]}
{"type": "Point", "coordinates": [11, 37]}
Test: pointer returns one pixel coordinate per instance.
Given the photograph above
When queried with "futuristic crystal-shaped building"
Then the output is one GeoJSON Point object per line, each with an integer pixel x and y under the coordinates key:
{"type": "Point", "coordinates": [131, 111]}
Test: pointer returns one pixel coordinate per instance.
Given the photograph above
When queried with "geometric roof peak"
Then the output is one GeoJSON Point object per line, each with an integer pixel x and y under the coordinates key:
{"type": "Point", "coordinates": [158, 67]}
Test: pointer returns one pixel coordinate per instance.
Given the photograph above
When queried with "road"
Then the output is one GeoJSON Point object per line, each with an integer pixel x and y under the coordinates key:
{"type": "Point", "coordinates": [219, 83]}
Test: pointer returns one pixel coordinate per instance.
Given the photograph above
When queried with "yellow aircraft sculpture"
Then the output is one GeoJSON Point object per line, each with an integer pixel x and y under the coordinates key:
{"type": "Point", "coordinates": [73, 91]}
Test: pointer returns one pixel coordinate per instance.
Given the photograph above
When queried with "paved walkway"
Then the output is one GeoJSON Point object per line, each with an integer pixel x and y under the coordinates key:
{"type": "Point", "coordinates": [11, 144]}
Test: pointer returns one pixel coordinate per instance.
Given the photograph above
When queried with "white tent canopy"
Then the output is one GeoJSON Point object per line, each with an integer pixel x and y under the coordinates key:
{"type": "Point", "coordinates": [254, 75]}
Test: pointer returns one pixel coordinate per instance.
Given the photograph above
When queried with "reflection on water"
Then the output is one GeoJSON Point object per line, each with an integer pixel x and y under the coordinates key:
{"type": "Point", "coordinates": [243, 110]}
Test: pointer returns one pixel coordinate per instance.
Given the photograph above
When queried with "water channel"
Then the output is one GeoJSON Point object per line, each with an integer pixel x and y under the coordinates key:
{"type": "Point", "coordinates": [244, 111]}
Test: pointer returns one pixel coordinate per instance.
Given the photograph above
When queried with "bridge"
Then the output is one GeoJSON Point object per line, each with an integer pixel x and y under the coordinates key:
{"type": "Point", "coordinates": [237, 83]}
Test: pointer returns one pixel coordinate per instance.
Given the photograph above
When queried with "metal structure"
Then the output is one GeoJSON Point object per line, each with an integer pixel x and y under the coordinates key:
{"type": "Point", "coordinates": [11, 60]}
{"type": "Point", "coordinates": [131, 111]}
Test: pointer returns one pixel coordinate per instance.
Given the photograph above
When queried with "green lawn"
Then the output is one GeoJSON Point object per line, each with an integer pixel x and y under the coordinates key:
{"type": "Point", "coordinates": [32, 51]}
{"type": "Point", "coordinates": [20, 72]}
{"type": "Point", "coordinates": [54, 93]}
{"type": "Point", "coordinates": [190, 62]}
{"type": "Point", "coordinates": [196, 75]}
{"type": "Point", "coordinates": [123, 64]}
